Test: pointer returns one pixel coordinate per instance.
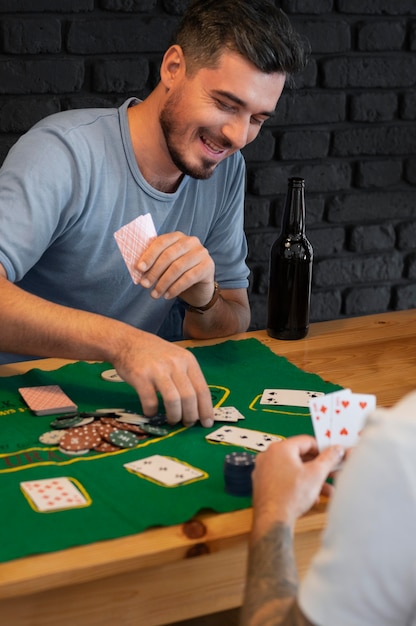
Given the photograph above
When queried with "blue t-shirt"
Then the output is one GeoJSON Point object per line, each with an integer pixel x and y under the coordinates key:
{"type": "Point", "coordinates": [69, 183]}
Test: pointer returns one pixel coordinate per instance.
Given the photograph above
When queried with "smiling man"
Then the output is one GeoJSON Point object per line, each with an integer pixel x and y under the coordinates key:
{"type": "Point", "coordinates": [78, 177]}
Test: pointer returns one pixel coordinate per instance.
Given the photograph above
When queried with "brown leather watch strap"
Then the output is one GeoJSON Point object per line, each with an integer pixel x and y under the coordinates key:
{"type": "Point", "coordinates": [206, 307]}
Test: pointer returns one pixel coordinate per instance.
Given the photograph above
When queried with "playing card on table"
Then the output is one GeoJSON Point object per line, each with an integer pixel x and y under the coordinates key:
{"type": "Point", "coordinates": [47, 400]}
{"type": "Point", "coordinates": [133, 239]}
{"type": "Point", "coordinates": [234, 435]}
{"type": "Point", "coordinates": [227, 414]}
{"type": "Point", "coordinates": [291, 397]}
{"type": "Point", "coordinates": [165, 470]}
{"type": "Point", "coordinates": [53, 494]}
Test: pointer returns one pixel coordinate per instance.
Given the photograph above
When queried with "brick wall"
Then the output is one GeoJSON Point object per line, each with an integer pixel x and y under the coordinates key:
{"type": "Point", "coordinates": [348, 127]}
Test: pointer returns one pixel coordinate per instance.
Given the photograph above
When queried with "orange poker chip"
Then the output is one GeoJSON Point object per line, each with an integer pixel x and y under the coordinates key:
{"type": "Point", "coordinates": [105, 429]}
{"type": "Point", "coordinates": [106, 446]}
{"type": "Point", "coordinates": [110, 425]}
{"type": "Point", "coordinates": [88, 429]}
{"type": "Point", "coordinates": [133, 428]}
{"type": "Point", "coordinates": [80, 439]}
{"type": "Point", "coordinates": [116, 424]}
{"type": "Point", "coordinates": [111, 421]}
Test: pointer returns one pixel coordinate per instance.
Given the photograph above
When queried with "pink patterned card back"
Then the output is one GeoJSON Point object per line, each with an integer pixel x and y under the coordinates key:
{"type": "Point", "coordinates": [133, 239]}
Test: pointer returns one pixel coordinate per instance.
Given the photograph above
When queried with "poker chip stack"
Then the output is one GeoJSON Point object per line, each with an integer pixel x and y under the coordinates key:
{"type": "Point", "coordinates": [238, 467]}
{"type": "Point", "coordinates": [102, 431]}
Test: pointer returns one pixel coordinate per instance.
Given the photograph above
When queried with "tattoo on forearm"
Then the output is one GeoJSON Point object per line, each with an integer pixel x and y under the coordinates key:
{"type": "Point", "coordinates": [272, 582]}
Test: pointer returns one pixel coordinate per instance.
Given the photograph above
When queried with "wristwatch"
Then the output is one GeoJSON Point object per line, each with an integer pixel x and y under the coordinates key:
{"type": "Point", "coordinates": [206, 307]}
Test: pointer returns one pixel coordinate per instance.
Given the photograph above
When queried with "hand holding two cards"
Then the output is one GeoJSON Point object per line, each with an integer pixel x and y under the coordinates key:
{"type": "Point", "coordinates": [339, 417]}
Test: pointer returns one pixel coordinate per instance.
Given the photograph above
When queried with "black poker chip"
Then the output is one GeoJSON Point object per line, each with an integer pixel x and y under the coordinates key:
{"type": "Point", "coordinates": [157, 420]}
{"type": "Point", "coordinates": [238, 467]}
{"type": "Point", "coordinates": [66, 422]}
{"type": "Point", "coordinates": [156, 431]}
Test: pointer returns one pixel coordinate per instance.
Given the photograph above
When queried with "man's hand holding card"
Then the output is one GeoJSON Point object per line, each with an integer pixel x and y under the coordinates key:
{"type": "Point", "coordinates": [339, 417]}
{"type": "Point", "coordinates": [177, 265]}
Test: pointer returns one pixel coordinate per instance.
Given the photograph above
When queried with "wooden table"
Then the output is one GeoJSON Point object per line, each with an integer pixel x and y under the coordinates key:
{"type": "Point", "coordinates": [161, 576]}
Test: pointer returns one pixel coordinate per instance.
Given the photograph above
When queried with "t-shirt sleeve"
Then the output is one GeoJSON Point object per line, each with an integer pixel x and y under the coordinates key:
{"type": "Point", "coordinates": [37, 181]}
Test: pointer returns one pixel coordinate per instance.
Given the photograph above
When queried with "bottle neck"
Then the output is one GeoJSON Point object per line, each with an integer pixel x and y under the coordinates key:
{"type": "Point", "coordinates": [294, 214]}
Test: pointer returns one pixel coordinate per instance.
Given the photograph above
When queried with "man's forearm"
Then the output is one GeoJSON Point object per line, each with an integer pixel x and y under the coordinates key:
{"type": "Point", "coordinates": [229, 315]}
{"type": "Point", "coordinates": [272, 581]}
{"type": "Point", "coordinates": [31, 325]}
{"type": "Point", "coordinates": [151, 365]}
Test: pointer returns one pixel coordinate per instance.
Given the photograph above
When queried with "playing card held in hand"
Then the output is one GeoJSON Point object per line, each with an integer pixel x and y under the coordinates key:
{"type": "Point", "coordinates": [133, 239]}
{"type": "Point", "coordinates": [339, 417]}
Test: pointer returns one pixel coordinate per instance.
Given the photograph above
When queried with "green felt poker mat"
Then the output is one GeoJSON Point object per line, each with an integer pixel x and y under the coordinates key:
{"type": "Point", "coordinates": [119, 502]}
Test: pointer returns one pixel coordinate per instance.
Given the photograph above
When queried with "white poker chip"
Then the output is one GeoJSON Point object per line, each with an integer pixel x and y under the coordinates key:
{"type": "Point", "coordinates": [52, 437]}
{"type": "Point", "coordinates": [132, 418]}
{"type": "Point", "coordinates": [74, 452]}
{"type": "Point", "coordinates": [112, 376]}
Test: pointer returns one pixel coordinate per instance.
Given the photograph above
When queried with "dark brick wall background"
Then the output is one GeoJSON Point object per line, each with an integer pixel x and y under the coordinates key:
{"type": "Point", "coordinates": [348, 127]}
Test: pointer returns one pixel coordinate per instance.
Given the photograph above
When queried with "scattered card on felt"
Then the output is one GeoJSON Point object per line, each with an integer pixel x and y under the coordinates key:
{"type": "Point", "coordinates": [339, 417]}
{"type": "Point", "coordinates": [234, 435]}
{"type": "Point", "coordinates": [54, 494]}
{"type": "Point", "coordinates": [165, 470]}
{"type": "Point", "coordinates": [47, 400]}
{"type": "Point", "coordinates": [227, 414]}
{"type": "Point", "coordinates": [133, 239]}
{"type": "Point", "coordinates": [289, 397]}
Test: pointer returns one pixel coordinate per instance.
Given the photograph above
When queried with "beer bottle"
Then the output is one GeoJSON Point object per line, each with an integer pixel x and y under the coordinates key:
{"type": "Point", "coordinates": [290, 272]}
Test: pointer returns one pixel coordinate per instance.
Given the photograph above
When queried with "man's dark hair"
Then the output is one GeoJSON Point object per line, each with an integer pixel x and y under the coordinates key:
{"type": "Point", "coordinates": [256, 29]}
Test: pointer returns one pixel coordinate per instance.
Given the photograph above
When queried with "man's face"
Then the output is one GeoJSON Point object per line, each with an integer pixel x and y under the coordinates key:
{"type": "Point", "coordinates": [215, 112]}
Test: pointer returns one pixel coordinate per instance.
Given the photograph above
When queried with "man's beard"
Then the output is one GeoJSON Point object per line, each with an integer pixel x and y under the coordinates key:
{"type": "Point", "coordinates": [171, 128]}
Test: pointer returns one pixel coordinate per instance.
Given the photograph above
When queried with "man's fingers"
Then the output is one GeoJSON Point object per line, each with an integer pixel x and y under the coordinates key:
{"type": "Point", "coordinates": [196, 401]}
{"type": "Point", "coordinates": [330, 458]}
{"type": "Point", "coordinates": [155, 249]}
{"type": "Point", "coordinates": [148, 397]}
{"type": "Point", "coordinates": [179, 381]}
{"type": "Point", "coordinates": [174, 263]}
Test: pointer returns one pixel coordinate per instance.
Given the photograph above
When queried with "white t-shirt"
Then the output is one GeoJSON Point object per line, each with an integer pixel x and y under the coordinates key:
{"type": "Point", "coordinates": [365, 572]}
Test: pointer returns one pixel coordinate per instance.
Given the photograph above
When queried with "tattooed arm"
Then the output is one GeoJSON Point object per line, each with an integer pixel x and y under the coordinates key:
{"type": "Point", "coordinates": [287, 480]}
{"type": "Point", "coordinates": [272, 581]}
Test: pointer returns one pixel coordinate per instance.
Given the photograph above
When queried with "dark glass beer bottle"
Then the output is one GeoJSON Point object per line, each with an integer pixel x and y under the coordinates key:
{"type": "Point", "coordinates": [290, 273]}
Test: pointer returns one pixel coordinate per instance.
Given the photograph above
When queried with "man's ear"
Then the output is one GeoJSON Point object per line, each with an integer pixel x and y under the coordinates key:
{"type": "Point", "coordinates": [173, 66]}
